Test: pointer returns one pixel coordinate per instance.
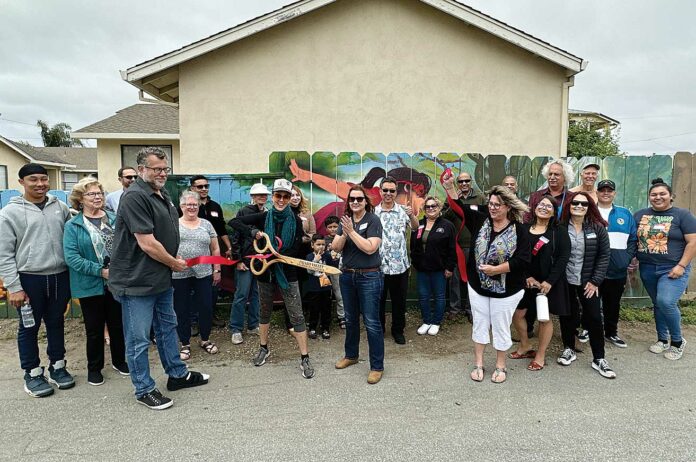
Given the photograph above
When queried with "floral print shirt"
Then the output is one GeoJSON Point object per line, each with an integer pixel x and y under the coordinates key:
{"type": "Point", "coordinates": [661, 235]}
{"type": "Point", "coordinates": [395, 225]}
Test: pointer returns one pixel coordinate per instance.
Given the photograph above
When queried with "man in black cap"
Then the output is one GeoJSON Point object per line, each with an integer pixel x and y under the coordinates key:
{"type": "Point", "coordinates": [588, 178]}
{"type": "Point", "coordinates": [35, 274]}
{"type": "Point", "coordinates": [622, 241]}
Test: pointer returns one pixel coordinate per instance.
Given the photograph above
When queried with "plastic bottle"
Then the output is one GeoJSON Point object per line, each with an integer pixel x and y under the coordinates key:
{"type": "Point", "coordinates": [27, 316]}
{"type": "Point", "coordinates": [542, 306]}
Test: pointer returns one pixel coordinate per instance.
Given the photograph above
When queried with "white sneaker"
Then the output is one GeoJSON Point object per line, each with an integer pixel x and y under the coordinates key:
{"type": "Point", "coordinates": [602, 366]}
{"type": "Point", "coordinates": [434, 329]}
{"type": "Point", "coordinates": [423, 329]}
{"type": "Point", "coordinates": [675, 353]}
{"type": "Point", "coordinates": [254, 331]}
{"type": "Point", "coordinates": [567, 357]}
{"type": "Point", "coordinates": [237, 338]}
{"type": "Point", "coordinates": [659, 347]}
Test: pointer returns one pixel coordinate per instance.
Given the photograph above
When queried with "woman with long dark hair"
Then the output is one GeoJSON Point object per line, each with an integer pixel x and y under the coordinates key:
{"type": "Point", "coordinates": [666, 246]}
{"type": "Point", "coordinates": [586, 269]}
{"type": "Point", "coordinates": [550, 248]}
{"type": "Point", "coordinates": [359, 238]}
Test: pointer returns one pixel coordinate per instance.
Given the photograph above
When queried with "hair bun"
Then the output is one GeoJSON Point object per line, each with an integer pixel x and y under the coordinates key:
{"type": "Point", "coordinates": [657, 181]}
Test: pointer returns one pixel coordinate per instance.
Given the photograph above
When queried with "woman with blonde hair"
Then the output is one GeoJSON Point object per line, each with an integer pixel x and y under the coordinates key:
{"type": "Point", "coordinates": [87, 245]}
{"type": "Point", "coordinates": [495, 269]}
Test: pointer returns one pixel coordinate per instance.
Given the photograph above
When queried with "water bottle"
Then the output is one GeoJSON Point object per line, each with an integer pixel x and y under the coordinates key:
{"type": "Point", "coordinates": [27, 315]}
{"type": "Point", "coordinates": [542, 306]}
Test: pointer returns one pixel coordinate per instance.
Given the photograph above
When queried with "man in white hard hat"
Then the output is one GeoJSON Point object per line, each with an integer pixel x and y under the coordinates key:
{"type": "Point", "coordinates": [245, 284]}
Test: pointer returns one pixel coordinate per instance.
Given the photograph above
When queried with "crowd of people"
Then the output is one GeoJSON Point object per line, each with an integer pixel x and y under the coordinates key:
{"type": "Point", "coordinates": [137, 263]}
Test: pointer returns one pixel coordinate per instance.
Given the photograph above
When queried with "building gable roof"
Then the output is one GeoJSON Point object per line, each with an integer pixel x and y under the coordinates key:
{"type": "Point", "coordinates": [159, 76]}
{"type": "Point", "coordinates": [152, 121]}
{"type": "Point", "coordinates": [38, 155]}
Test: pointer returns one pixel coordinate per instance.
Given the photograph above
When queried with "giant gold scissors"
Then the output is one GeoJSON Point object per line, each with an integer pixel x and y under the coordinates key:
{"type": "Point", "coordinates": [264, 258]}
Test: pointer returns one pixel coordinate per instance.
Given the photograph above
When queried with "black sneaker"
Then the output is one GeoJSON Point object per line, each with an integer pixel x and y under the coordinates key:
{"type": "Point", "coordinates": [155, 400]}
{"type": "Point", "coordinates": [312, 334]}
{"type": "Point", "coordinates": [95, 378]}
{"type": "Point", "coordinates": [616, 340]}
{"type": "Point", "coordinates": [35, 383]}
{"type": "Point", "coordinates": [307, 369]}
{"type": "Point", "coordinates": [583, 336]}
{"type": "Point", "coordinates": [399, 339]}
{"type": "Point", "coordinates": [59, 375]}
{"type": "Point", "coordinates": [567, 357]}
{"type": "Point", "coordinates": [192, 379]}
{"type": "Point", "coordinates": [602, 366]}
{"type": "Point", "coordinates": [326, 335]}
{"type": "Point", "coordinates": [123, 369]}
{"type": "Point", "coordinates": [261, 356]}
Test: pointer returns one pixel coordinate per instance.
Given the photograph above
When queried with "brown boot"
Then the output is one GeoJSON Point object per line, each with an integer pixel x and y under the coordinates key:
{"type": "Point", "coordinates": [374, 376]}
{"type": "Point", "coordinates": [345, 362]}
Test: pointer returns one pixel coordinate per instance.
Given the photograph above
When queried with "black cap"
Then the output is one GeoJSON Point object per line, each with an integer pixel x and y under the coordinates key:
{"type": "Point", "coordinates": [606, 184]}
{"type": "Point", "coordinates": [591, 165]}
{"type": "Point", "coordinates": [32, 169]}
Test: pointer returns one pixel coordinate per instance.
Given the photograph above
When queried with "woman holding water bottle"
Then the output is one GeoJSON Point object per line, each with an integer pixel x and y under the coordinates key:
{"type": "Point", "coordinates": [545, 277]}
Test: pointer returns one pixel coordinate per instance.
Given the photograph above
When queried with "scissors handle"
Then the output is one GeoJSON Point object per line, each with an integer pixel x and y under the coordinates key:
{"type": "Point", "coordinates": [264, 265]}
{"type": "Point", "coordinates": [266, 248]}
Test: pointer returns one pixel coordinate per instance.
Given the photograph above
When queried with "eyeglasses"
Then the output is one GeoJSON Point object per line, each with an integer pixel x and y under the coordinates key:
{"type": "Point", "coordinates": [191, 206]}
{"type": "Point", "coordinates": [388, 191]}
{"type": "Point", "coordinates": [94, 194]}
{"type": "Point", "coordinates": [431, 206]}
{"type": "Point", "coordinates": [356, 199]}
{"type": "Point", "coordinates": [545, 206]}
{"type": "Point", "coordinates": [463, 181]}
{"type": "Point", "coordinates": [159, 170]}
{"type": "Point", "coordinates": [202, 186]}
{"type": "Point", "coordinates": [494, 205]}
{"type": "Point", "coordinates": [579, 203]}
{"type": "Point", "coordinates": [279, 196]}
{"type": "Point", "coordinates": [130, 177]}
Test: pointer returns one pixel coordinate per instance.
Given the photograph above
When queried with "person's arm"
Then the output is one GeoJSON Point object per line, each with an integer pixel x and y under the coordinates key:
{"type": "Point", "coordinates": [215, 251]}
{"type": "Point", "coordinates": [632, 243]}
{"type": "Point", "coordinates": [368, 245]}
{"type": "Point", "coordinates": [687, 256]}
{"type": "Point", "coordinates": [155, 250]}
{"type": "Point", "coordinates": [451, 261]}
{"type": "Point", "coordinates": [8, 263]}
{"type": "Point", "coordinates": [601, 261]}
{"type": "Point", "coordinates": [74, 259]}
{"type": "Point", "coordinates": [561, 255]}
{"type": "Point", "coordinates": [248, 225]}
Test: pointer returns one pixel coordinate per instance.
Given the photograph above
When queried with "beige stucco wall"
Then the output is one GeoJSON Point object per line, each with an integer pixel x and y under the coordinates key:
{"type": "Point", "coordinates": [362, 75]}
{"type": "Point", "coordinates": [109, 158]}
{"type": "Point", "coordinates": [15, 161]}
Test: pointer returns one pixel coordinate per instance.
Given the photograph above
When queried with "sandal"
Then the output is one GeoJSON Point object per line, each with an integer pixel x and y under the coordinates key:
{"type": "Point", "coordinates": [498, 373]}
{"type": "Point", "coordinates": [526, 355]}
{"type": "Point", "coordinates": [477, 374]}
{"type": "Point", "coordinates": [185, 352]}
{"type": "Point", "coordinates": [209, 347]}
{"type": "Point", "coordinates": [535, 366]}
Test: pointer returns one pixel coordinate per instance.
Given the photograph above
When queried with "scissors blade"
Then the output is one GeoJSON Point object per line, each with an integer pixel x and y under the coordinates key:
{"type": "Point", "coordinates": [314, 266]}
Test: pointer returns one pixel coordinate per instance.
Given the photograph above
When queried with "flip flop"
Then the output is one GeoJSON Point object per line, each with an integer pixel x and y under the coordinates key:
{"type": "Point", "coordinates": [475, 371]}
{"type": "Point", "coordinates": [526, 355]}
{"type": "Point", "coordinates": [534, 366]}
{"type": "Point", "coordinates": [499, 375]}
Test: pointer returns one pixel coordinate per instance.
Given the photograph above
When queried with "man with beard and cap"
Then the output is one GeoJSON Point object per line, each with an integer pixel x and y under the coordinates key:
{"type": "Point", "coordinates": [558, 175]}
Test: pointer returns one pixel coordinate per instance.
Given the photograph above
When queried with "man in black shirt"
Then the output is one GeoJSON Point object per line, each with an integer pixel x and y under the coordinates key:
{"type": "Point", "coordinates": [146, 239]}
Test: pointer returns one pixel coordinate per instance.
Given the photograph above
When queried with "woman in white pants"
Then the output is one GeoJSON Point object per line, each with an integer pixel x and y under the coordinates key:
{"type": "Point", "coordinates": [495, 270]}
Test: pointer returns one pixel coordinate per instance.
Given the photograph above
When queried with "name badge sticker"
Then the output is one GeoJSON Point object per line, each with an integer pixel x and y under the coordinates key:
{"type": "Point", "coordinates": [591, 236]}
{"type": "Point", "coordinates": [214, 214]}
{"type": "Point", "coordinates": [363, 226]}
{"type": "Point", "coordinates": [474, 207]}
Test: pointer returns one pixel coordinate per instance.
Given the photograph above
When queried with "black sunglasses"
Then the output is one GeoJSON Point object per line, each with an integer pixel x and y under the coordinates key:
{"type": "Point", "coordinates": [202, 186]}
{"type": "Point", "coordinates": [384, 190]}
{"type": "Point", "coordinates": [285, 197]}
{"type": "Point", "coordinates": [580, 203]}
{"type": "Point", "coordinates": [431, 206]}
{"type": "Point", "coordinates": [130, 177]}
{"type": "Point", "coordinates": [463, 181]}
{"type": "Point", "coordinates": [356, 199]}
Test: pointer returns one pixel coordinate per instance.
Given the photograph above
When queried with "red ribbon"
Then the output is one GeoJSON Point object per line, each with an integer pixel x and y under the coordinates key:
{"type": "Point", "coordinates": [210, 260]}
{"type": "Point", "coordinates": [461, 257]}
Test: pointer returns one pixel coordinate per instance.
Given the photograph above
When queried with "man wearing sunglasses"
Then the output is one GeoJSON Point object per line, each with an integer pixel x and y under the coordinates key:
{"type": "Point", "coordinates": [459, 294]}
{"type": "Point", "coordinates": [126, 176]}
{"type": "Point", "coordinates": [395, 221]}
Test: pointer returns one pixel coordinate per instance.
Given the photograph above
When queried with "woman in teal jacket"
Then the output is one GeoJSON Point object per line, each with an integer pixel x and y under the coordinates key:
{"type": "Point", "coordinates": [87, 243]}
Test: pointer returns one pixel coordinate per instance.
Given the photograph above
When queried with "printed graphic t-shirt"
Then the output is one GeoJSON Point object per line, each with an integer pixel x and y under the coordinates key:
{"type": "Point", "coordinates": [661, 235]}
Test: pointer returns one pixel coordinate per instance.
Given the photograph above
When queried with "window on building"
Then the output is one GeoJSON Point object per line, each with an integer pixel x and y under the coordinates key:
{"type": "Point", "coordinates": [129, 153]}
{"type": "Point", "coordinates": [69, 180]}
{"type": "Point", "coordinates": [3, 176]}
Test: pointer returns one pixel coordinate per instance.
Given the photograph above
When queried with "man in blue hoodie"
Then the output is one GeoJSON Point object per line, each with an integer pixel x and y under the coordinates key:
{"type": "Point", "coordinates": [33, 270]}
{"type": "Point", "coordinates": [622, 240]}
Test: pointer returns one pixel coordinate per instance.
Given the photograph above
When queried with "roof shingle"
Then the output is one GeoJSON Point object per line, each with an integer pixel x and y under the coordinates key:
{"type": "Point", "coordinates": [138, 118]}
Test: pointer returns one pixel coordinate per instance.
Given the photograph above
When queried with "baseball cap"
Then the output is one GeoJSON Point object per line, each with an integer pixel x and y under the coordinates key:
{"type": "Point", "coordinates": [591, 165]}
{"type": "Point", "coordinates": [281, 184]}
{"type": "Point", "coordinates": [259, 188]}
{"type": "Point", "coordinates": [606, 184]}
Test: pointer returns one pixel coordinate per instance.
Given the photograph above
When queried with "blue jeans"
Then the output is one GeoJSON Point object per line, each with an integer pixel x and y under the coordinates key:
{"type": "Point", "coordinates": [193, 294]}
{"type": "Point", "coordinates": [245, 290]}
{"type": "Point", "coordinates": [139, 314]}
{"type": "Point", "coordinates": [665, 293]}
{"type": "Point", "coordinates": [431, 285]}
{"type": "Point", "coordinates": [48, 296]}
{"type": "Point", "coordinates": [361, 294]}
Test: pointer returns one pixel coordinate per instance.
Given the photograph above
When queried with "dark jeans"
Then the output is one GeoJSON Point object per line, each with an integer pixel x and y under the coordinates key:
{"type": "Point", "coordinates": [48, 296]}
{"type": "Point", "coordinates": [591, 320]}
{"type": "Point", "coordinates": [319, 308]}
{"type": "Point", "coordinates": [396, 285]}
{"type": "Point", "coordinates": [97, 311]}
{"type": "Point", "coordinates": [189, 293]}
{"type": "Point", "coordinates": [611, 291]}
{"type": "Point", "coordinates": [361, 293]}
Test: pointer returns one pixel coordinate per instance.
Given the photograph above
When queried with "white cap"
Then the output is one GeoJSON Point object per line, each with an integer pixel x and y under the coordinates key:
{"type": "Point", "coordinates": [281, 184]}
{"type": "Point", "coordinates": [259, 188]}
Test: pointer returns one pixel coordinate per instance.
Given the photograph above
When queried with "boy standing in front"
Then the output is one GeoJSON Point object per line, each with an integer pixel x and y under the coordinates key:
{"type": "Point", "coordinates": [331, 225]}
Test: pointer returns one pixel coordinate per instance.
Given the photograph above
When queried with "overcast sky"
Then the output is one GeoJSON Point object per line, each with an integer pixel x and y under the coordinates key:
{"type": "Point", "coordinates": [59, 60]}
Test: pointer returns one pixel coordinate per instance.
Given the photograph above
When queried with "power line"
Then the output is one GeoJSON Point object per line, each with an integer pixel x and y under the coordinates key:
{"type": "Point", "coordinates": [659, 137]}
{"type": "Point", "coordinates": [17, 122]}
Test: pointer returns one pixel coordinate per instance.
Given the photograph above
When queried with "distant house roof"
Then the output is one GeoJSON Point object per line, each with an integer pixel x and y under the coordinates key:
{"type": "Point", "coordinates": [596, 119]}
{"type": "Point", "coordinates": [159, 76]}
{"type": "Point", "coordinates": [153, 121]}
{"type": "Point", "coordinates": [74, 159]}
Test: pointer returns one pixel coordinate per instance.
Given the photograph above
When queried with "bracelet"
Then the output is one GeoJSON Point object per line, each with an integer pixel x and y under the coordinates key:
{"type": "Point", "coordinates": [679, 264]}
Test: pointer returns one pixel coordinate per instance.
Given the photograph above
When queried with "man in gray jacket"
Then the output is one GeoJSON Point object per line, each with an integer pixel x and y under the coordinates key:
{"type": "Point", "coordinates": [34, 271]}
